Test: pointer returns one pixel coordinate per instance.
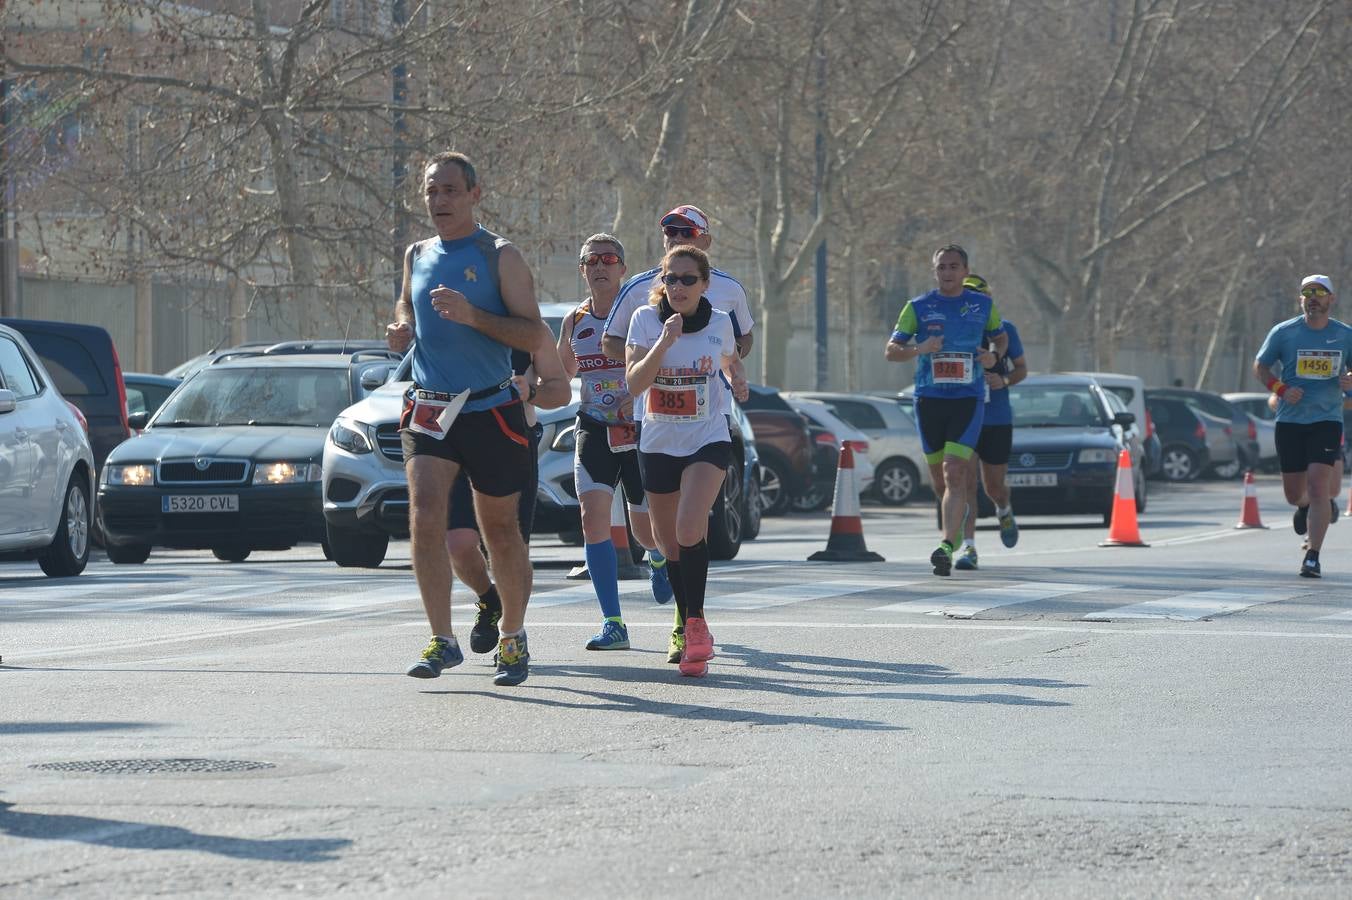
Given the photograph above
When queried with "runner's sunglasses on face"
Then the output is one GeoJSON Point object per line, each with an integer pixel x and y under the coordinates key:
{"type": "Point", "coordinates": [1313, 290]}
{"type": "Point", "coordinates": [687, 280]}
{"type": "Point", "coordinates": [605, 259]}
{"type": "Point", "coordinates": [680, 231]}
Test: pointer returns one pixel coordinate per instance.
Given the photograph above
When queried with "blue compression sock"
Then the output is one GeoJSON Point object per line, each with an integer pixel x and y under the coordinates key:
{"type": "Point", "coordinates": [604, 571]}
{"type": "Point", "coordinates": [656, 558]}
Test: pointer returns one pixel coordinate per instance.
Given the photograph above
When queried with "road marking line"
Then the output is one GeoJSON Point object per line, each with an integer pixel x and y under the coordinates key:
{"type": "Point", "coordinates": [1192, 606]}
{"type": "Point", "coordinates": [245, 590]}
{"type": "Point", "coordinates": [786, 594]}
{"type": "Point", "coordinates": [966, 604]}
{"type": "Point", "coordinates": [1344, 616]}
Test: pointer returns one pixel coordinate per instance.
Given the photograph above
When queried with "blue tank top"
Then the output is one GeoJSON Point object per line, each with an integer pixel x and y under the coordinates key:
{"type": "Point", "coordinates": [449, 356]}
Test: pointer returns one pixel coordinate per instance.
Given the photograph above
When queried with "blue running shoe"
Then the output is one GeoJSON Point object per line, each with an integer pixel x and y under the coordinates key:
{"type": "Point", "coordinates": [660, 582]}
{"type": "Point", "coordinates": [613, 636]}
{"type": "Point", "coordinates": [966, 559]}
{"type": "Point", "coordinates": [439, 655]}
{"type": "Point", "coordinates": [1009, 530]}
{"type": "Point", "coordinates": [513, 661]}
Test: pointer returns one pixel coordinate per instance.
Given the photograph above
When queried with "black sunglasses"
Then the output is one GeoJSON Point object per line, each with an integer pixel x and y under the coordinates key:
{"type": "Point", "coordinates": [680, 231]}
{"type": "Point", "coordinates": [609, 259]}
{"type": "Point", "coordinates": [686, 280]}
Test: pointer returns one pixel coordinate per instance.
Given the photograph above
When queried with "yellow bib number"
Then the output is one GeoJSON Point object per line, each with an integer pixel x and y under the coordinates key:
{"type": "Point", "coordinates": [1318, 363]}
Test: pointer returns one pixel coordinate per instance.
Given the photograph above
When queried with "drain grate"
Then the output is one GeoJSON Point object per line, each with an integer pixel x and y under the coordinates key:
{"type": "Point", "coordinates": [182, 766]}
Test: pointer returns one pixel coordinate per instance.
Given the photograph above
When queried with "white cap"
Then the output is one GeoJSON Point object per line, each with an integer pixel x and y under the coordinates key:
{"type": "Point", "coordinates": [1321, 280]}
{"type": "Point", "coordinates": [687, 215]}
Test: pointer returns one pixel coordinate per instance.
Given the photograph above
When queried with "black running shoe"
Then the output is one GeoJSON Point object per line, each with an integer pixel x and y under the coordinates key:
{"type": "Point", "coordinates": [1309, 567]}
{"type": "Point", "coordinates": [942, 560]}
{"type": "Point", "coordinates": [483, 637]}
{"type": "Point", "coordinates": [1298, 520]}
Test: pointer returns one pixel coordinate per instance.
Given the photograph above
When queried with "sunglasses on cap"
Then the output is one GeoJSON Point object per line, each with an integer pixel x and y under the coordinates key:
{"type": "Point", "coordinates": [681, 231]}
{"type": "Point", "coordinates": [604, 259]}
{"type": "Point", "coordinates": [977, 284]}
{"type": "Point", "coordinates": [687, 280]}
{"type": "Point", "coordinates": [1313, 290]}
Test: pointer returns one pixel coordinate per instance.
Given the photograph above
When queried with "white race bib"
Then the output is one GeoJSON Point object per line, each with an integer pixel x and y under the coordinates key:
{"type": "Point", "coordinates": [434, 411]}
{"type": "Point", "coordinates": [679, 398]}
{"type": "Point", "coordinates": [951, 368]}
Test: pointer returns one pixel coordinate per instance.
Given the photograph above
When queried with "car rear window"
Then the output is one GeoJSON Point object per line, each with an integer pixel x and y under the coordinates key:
{"type": "Point", "coordinates": [72, 368]}
{"type": "Point", "coordinates": [861, 415]}
{"type": "Point", "coordinates": [1127, 394]}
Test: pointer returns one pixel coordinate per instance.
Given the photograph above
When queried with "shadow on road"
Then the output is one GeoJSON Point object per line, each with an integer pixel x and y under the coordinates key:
{"type": "Point", "coordinates": [10, 728]}
{"type": "Point", "coordinates": [145, 836]}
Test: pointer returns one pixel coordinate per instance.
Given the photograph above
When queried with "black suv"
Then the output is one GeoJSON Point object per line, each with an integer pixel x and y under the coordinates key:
{"type": "Point", "coordinates": [84, 366]}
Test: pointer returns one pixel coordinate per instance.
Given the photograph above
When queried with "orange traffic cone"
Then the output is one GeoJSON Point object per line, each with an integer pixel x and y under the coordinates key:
{"type": "Point", "coordinates": [1123, 532]}
{"type": "Point", "coordinates": [846, 543]}
{"type": "Point", "coordinates": [619, 536]}
{"type": "Point", "coordinates": [1248, 513]}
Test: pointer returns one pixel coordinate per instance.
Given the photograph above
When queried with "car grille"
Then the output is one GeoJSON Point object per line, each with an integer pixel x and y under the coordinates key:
{"type": "Point", "coordinates": [217, 471]}
{"type": "Point", "coordinates": [387, 439]}
{"type": "Point", "coordinates": [1047, 460]}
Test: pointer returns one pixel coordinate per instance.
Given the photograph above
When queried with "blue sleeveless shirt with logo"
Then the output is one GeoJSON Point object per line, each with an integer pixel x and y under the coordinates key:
{"type": "Point", "coordinates": [449, 356]}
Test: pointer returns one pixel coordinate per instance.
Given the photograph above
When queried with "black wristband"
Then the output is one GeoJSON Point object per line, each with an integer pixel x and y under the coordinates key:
{"type": "Point", "coordinates": [531, 395]}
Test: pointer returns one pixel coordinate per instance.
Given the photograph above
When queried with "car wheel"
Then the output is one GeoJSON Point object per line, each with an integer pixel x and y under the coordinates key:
{"type": "Point", "coordinates": [353, 549]}
{"type": "Point", "coordinates": [774, 487]}
{"type": "Point", "coordinates": [1141, 491]}
{"type": "Point", "coordinates": [68, 552]}
{"type": "Point", "coordinates": [816, 497]}
{"type": "Point", "coordinates": [328, 552]}
{"type": "Point", "coordinates": [1227, 471]}
{"type": "Point", "coordinates": [231, 553]}
{"type": "Point", "coordinates": [1178, 464]}
{"type": "Point", "coordinates": [726, 522]}
{"type": "Point", "coordinates": [128, 554]}
{"type": "Point", "coordinates": [895, 481]}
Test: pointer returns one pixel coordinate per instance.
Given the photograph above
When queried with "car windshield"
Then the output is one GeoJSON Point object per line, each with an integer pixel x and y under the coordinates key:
{"type": "Point", "coordinates": [261, 395]}
{"type": "Point", "coordinates": [1047, 405]}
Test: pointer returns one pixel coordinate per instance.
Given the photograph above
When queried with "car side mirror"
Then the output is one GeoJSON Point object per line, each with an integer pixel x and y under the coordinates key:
{"type": "Point", "coordinates": [137, 420]}
{"type": "Point", "coordinates": [8, 401]}
{"type": "Point", "coordinates": [375, 376]}
{"type": "Point", "coordinates": [1125, 419]}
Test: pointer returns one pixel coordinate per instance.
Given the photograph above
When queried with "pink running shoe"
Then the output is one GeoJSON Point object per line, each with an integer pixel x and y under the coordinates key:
{"type": "Point", "coordinates": [699, 648]}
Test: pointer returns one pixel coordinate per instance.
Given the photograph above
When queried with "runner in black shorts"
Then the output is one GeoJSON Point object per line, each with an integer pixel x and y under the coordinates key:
{"type": "Point", "coordinates": [997, 436]}
{"type": "Point", "coordinates": [1313, 350]}
{"type": "Point", "coordinates": [541, 378]}
{"type": "Point", "coordinates": [468, 297]}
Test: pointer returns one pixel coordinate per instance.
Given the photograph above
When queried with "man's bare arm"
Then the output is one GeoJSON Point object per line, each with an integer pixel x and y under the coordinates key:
{"type": "Point", "coordinates": [399, 333]}
{"type": "Point", "coordinates": [519, 328]}
{"type": "Point", "coordinates": [744, 345]}
{"type": "Point", "coordinates": [551, 387]}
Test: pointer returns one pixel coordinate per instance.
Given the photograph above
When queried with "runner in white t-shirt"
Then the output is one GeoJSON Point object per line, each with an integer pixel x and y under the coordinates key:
{"type": "Point", "coordinates": [684, 226]}
{"type": "Point", "coordinates": [676, 348]}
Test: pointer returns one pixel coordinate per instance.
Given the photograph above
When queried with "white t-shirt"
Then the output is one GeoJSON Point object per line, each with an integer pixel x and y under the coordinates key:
{"type": "Point", "coordinates": [689, 402]}
{"type": "Point", "coordinates": [725, 293]}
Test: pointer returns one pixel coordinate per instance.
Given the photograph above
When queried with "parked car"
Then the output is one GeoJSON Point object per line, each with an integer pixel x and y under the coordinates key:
{"type": "Point", "coordinates": [899, 468]}
{"type": "Point", "coordinates": [1255, 405]}
{"type": "Point", "coordinates": [275, 348]}
{"type": "Point", "coordinates": [1185, 440]}
{"type": "Point", "coordinates": [231, 461]}
{"type": "Point", "coordinates": [366, 491]}
{"type": "Point", "coordinates": [1131, 389]}
{"type": "Point", "coordinates": [46, 465]}
{"type": "Point", "coordinates": [1067, 439]}
{"type": "Point", "coordinates": [1243, 433]}
{"type": "Point", "coordinates": [829, 432]}
{"type": "Point", "coordinates": [784, 446]}
{"type": "Point", "coordinates": [145, 394]}
{"type": "Point", "coordinates": [82, 364]}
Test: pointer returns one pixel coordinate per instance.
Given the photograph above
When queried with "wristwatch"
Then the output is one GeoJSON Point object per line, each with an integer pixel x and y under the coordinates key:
{"type": "Point", "coordinates": [531, 396]}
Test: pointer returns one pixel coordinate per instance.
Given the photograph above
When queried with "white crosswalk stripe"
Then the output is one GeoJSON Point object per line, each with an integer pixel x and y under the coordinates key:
{"type": "Point", "coordinates": [787, 594]}
{"type": "Point", "coordinates": [1193, 606]}
{"type": "Point", "coordinates": [966, 604]}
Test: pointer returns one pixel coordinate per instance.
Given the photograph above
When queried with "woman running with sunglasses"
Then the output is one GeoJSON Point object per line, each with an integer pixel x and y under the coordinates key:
{"type": "Point", "coordinates": [676, 347]}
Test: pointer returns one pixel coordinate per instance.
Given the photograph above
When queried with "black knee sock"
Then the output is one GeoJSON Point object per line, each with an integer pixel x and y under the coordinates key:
{"type": "Point", "coordinates": [695, 575]}
{"type": "Point", "coordinates": [677, 589]}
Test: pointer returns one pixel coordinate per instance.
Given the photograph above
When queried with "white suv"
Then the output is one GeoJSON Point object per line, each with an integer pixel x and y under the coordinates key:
{"type": "Point", "coordinates": [46, 466]}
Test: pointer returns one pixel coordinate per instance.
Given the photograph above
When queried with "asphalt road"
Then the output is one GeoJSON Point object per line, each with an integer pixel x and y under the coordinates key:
{"type": "Point", "coordinates": [1068, 721]}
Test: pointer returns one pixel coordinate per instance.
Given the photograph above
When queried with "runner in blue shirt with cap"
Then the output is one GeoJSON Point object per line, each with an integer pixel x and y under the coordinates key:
{"type": "Point", "coordinates": [1313, 350]}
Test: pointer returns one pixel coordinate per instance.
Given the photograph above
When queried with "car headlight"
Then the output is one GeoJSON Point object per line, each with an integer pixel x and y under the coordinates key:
{"type": "Point", "coordinates": [286, 472]}
{"type": "Point", "coordinates": [138, 475]}
{"type": "Point", "coordinates": [1096, 455]}
{"type": "Point", "coordinates": [352, 436]}
{"type": "Point", "coordinates": [565, 441]}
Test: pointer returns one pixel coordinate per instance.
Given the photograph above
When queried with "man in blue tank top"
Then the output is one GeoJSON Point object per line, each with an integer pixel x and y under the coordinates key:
{"type": "Point", "coordinates": [469, 299]}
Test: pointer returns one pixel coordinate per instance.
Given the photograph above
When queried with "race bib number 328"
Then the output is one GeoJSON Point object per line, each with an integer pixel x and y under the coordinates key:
{"type": "Point", "coordinates": [951, 368]}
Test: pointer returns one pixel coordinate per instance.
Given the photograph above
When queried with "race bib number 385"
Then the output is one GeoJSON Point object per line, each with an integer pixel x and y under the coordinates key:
{"type": "Point", "coordinates": [679, 398]}
{"type": "Point", "coordinates": [1319, 363]}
